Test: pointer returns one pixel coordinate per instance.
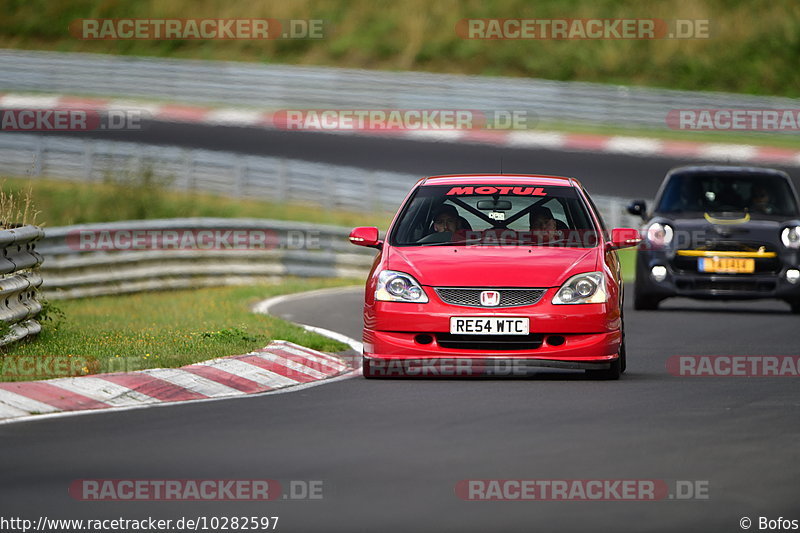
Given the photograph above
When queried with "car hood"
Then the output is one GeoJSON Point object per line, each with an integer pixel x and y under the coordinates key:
{"type": "Point", "coordinates": [698, 230]}
{"type": "Point", "coordinates": [492, 266]}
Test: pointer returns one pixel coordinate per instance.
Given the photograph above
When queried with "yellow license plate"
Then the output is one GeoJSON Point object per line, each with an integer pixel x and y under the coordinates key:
{"type": "Point", "coordinates": [726, 265]}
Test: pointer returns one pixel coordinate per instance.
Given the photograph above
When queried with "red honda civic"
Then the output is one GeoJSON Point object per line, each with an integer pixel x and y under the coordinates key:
{"type": "Point", "coordinates": [494, 275]}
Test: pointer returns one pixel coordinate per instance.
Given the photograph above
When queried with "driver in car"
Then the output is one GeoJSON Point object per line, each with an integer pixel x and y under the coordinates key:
{"type": "Point", "coordinates": [447, 219]}
{"type": "Point", "coordinates": [447, 226]}
{"type": "Point", "coordinates": [760, 201]}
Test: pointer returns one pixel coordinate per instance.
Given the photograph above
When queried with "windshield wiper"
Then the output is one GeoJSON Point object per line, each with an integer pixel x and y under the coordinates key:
{"type": "Point", "coordinates": [448, 243]}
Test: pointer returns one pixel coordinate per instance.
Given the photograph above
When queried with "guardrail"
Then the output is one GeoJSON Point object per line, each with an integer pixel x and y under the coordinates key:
{"type": "Point", "coordinates": [283, 86]}
{"type": "Point", "coordinates": [131, 256]}
{"type": "Point", "coordinates": [281, 180]}
{"type": "Point", "coordinates": [275, 179]}
{"type": "Point", "coordinates": [87, 260]}
{"type": "Point", "coordinates": [19, 283]}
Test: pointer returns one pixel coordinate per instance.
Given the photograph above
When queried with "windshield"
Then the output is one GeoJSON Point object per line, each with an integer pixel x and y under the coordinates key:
{"type": "Point", "coordinates": [494, 215]}
{"type": "Point", "coordinates": [720, 192]}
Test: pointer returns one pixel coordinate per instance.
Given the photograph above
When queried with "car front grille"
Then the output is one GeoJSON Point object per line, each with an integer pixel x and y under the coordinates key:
{"type": "Point", "coordinates": [468, 297]}
{"type": "Point", "coordinates": [489, 342]}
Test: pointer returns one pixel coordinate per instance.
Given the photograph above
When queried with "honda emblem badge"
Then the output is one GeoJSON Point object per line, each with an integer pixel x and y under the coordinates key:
{"type": "Point", "coordinates": [490, 298]}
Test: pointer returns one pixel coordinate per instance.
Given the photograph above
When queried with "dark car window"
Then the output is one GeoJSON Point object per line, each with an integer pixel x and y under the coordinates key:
{"type": "Point", "coordinates": [720, 192]}
{"type": "Point", "coordinates": [494, 214]}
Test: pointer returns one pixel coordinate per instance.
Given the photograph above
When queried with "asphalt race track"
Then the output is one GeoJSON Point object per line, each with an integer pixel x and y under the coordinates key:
{"type": "Point", "coordinates": [390, 452]}
{"type": "Point", "coordinates": [628, 176]}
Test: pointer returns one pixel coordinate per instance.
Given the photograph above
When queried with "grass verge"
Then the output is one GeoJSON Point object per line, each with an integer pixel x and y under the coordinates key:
{"type": "Point", "coordinates": [627, 261]}
{"type": "Point", "coordinates": [16, 206]}
{"type": "Point", "coordinates": [67, 202]}
{"type": "Point", "coordinates": [163, 329]}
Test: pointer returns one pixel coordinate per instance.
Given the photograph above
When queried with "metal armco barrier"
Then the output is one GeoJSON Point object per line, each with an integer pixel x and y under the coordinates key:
{"type": "Point", "coordinates": [293, 87]}
{"type": "Point", "coordinates": [19, 283]}
{"type": "Point", "coordinates": [269, 178]}
{"type": "Point", "coordinates": [105, 258]}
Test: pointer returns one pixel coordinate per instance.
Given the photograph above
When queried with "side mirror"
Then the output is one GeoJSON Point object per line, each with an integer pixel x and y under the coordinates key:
{"type": "Point", "coordinates": [638, 208]}
{"type": "Point", "coordinates": [365, 236]}
{"type": "Point", "coordinates": [624, 238]}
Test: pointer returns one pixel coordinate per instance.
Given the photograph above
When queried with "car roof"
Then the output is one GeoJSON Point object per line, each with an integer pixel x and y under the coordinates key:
{"type": "Point", "coordinates": [730, 170]}
{"type": "Point", "coordinates": [504, 179]}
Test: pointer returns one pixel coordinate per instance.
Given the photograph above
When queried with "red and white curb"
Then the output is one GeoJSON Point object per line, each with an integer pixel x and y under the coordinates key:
{"type": "Point", "coordinates": [280, 365]}
{"type": "Point", "coordinates": [243, 117]}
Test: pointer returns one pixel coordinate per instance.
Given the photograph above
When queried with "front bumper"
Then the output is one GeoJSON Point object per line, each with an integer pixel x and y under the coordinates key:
{"type": "Point", "coordinates": [562, 336]}
{"type": "Point", "coordinates": [693, 284]}
{"type": "Point", "coordinates": [472, 366]}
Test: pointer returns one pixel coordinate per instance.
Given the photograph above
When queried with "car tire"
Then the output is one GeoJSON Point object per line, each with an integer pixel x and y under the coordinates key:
{"type": "Point", "coordinates": [623, 360]}
{"type": "Point", "coordinates": [795, 306]}
{"type": "Point", "coordinates": [613, 372]}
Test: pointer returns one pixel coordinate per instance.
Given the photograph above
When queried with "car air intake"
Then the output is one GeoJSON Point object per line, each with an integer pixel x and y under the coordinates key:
{"type": "Point", "coordinates": [468, 297]}
{"type": "Point", "coordinates": [721, 285]}
{"type": "Point", "coordinates": [489, 342]}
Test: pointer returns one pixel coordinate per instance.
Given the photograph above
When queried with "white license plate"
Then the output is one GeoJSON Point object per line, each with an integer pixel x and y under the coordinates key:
{"type": "Point", "coordinates": [489, 325]}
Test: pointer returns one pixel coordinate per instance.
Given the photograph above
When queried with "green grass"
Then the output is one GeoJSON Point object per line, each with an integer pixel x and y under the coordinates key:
{"type": "Point", "coordinates": [169, 329]}
{"type": "Point", "coordinates": [627, 261]}
{"type": "Point", "coordinates": [63, 203]}
{"type": "Point", "coordinates": [165, 329]}
{"type": "Point", "coordinates": [753, 47]}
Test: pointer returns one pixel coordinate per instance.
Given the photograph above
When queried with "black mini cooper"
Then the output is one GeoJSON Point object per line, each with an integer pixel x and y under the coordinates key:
{"type": "Point", "coordinates": [720, 232]}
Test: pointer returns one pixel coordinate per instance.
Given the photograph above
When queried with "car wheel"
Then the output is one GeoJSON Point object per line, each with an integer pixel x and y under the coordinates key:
{"type": "Point", "coordinates": [795, 306]}
{"type": "Point", "coordinates": [622, 357]}
{"type": "Point", "coordinates": [610, 373]}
